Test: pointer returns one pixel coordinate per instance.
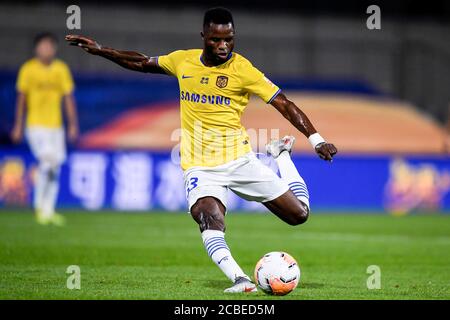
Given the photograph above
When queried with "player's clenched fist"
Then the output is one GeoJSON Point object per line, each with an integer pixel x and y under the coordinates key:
{"type": "Point", "coordinates": [326, 151]}
{"type": "Point", "coordinates": [88, 44]}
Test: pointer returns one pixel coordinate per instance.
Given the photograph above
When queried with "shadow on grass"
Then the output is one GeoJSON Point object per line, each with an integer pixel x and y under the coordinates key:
{"type": "Point", "coordinates": [222, 284]}
{"type": "Point", "coordinates": [218, 284]}
{"type": "Point", "coordinates": [311, 285]}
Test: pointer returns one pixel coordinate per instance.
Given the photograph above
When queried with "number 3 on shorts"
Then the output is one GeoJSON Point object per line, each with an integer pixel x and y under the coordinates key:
{"type": "Point", "coordinates": [192, 184]}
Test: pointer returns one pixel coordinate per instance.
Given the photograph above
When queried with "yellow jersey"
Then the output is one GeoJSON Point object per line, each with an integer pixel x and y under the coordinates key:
{"type": "Point", "coordinates": [44, 86]}
{"type": "Point", "coordinates": [212, 100]}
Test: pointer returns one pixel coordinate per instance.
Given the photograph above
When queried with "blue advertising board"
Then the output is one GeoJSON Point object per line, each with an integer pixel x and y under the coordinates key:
{"type": "Point", "coordinates": [144, 181]}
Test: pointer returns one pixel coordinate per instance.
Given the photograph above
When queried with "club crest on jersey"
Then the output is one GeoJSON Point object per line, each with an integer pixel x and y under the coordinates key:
{"type": "Point", "coordinates": [222, 81]}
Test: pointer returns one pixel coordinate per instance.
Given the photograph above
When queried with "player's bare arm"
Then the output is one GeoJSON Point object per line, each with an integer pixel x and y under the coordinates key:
{"type": "Point", "coordinates": [17, 131]}
{"type": "Point", "coordinates": [299, 120]}
{"type": "Point", "coordinates": [72, 118]}
{"type": "Point", "coordinates": [128, 59]}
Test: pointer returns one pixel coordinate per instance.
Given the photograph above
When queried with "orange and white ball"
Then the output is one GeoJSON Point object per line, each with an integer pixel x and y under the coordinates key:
{"type": "Point", "coordinates": [277, 273]}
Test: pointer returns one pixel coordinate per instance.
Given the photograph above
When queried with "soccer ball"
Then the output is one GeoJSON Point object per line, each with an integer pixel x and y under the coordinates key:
{"type": "Point", "coordinates": [277, 273]}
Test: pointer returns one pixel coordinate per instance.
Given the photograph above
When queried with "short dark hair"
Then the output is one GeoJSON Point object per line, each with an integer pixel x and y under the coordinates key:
{"type": "Point", "coordinates": [45, 35]}
{"type": "Point", "coordinates": [217, 15]}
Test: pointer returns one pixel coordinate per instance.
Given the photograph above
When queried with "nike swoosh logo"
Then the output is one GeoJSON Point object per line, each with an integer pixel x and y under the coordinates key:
{"type": "Point", "coordinates": [185, 77]}
{"type": "Point", "coordinates": [224, 258]}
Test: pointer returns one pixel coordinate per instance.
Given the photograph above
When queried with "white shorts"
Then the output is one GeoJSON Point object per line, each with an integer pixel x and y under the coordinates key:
{"type": "Point", "coordinates": [47, 144]}
{"type": "Point", "coordinates": [246, 176]}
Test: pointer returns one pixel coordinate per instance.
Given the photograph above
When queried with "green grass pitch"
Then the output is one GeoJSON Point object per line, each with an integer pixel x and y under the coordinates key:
{"type": "Point", "coordinates": [160, 256]}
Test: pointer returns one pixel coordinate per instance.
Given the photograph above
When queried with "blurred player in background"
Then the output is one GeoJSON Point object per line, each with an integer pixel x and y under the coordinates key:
{"type": "Point", "coordinates": [43, 82]}
{"type": "Point", "coordinates": [215, 86]}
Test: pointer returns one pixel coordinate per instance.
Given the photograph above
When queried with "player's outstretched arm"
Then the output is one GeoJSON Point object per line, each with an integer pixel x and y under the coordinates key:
{"type": "Point", "coordinates": [299, 120]}
{"type": "Point", "coordinates": [128, 59]}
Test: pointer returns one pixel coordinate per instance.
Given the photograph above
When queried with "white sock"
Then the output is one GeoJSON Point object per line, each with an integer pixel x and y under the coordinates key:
{"type": "Point", "coordinates": [51, 193]}
{"type": "Point", "coordinates": [290, 175]}
{"type": "Point", "coordinates": [40, 187]}
{"type": "Point", "coordinates": [214, 241]}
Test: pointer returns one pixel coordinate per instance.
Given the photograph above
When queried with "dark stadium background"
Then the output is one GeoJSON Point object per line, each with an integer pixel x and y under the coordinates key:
{"type": "Point", "coordinates": [321, 52]}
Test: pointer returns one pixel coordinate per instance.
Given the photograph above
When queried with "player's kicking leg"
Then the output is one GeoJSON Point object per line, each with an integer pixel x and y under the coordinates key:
{"type": "Point", "coordinates": [209, 213]}
{"type": "Point", "coordinates": [292, 206]}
